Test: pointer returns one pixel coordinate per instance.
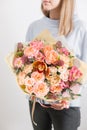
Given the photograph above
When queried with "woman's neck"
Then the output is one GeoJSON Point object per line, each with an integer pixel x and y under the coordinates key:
{"type": "Point", "coordinates": [55, 13]}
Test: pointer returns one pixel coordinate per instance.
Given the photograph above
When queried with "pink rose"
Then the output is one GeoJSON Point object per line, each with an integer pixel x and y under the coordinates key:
{"type": "Point", "coordinates": [75, 89]}
{"type": "Point", "coordinates": [64, 84]}
{"type": "Point", "coordinates": [38, 45]}
{"type": "Point", "coordinates": [74, 74]}
{"type": "Point", "coordinates": [64, 51]}
{"type": "Point", "coordinates": [66, 94]}
{"type": "Point", "coordinates": [39, 56]}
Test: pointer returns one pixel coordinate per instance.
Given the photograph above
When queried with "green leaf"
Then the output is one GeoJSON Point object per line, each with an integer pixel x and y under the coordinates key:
{"type": "Point", "coordinates": [19, 53]}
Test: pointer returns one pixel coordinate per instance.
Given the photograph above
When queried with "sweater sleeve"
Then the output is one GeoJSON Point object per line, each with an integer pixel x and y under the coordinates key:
{"type": "Point", "coordinates": [29, 33]}
{"type": "Point", "coordinates": [84, 47]}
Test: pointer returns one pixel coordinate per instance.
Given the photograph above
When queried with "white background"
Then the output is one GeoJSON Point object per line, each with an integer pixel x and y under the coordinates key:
{"type": "Point", "coordinates": [15, 17]}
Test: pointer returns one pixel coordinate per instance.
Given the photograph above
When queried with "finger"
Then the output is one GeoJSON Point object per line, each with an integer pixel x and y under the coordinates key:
{"type": "Point", "coordinates": [57, 107]}
{"type": "Point", "coordinates": [45, 106]}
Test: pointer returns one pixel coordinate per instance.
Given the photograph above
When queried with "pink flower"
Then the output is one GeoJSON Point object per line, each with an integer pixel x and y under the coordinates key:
{"type": "Point", "coordinates": [30, 51]}
{"type": "Point", "coordinates": [37, 76]}
{"type": "Point", "coordinates": [74, 74]}
{"type": "Point", "coordinates": [64, 84]}
{"type": "Point", "coordinates": [41, 89]}
{"type": "Point", "coordinates": [75, 89]}
{"type": "Point", "coordinates": [38, 45]}
{"type": "Point", "coordinates": [40, 56]}
{"type": "Point", "coordinates": [64, 51]}
{"type": "Point", "coordinates": [59, 44]}
{"type": "Point", "coordinates": [25, 59]}
{"type": "Point", "coordinates": [47, 71]}
{"type": "Point", "coordinates": [19, 46]}
{"type": "Point", "coordinates": [18, 62]}
{"type": "Point", "coordinates": [58, 63]}
{"type": "Point", "coordinates": [66, 94]}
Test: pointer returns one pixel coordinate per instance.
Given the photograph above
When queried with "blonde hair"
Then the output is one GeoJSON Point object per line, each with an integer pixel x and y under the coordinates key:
{"type": "Point", "coordinates": [66, 16]}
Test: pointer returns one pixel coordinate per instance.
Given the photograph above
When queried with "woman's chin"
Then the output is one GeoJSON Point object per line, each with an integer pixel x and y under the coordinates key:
{"type": "Point", "coordinates": [47, 8]}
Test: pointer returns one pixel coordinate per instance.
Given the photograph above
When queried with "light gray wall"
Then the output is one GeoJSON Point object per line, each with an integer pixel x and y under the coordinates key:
{"type": "Point", "coordinates": [15, 16]}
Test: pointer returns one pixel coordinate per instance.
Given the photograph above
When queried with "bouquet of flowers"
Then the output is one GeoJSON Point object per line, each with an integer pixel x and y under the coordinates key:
{"type": "Point", "coordinates": [47, 69]}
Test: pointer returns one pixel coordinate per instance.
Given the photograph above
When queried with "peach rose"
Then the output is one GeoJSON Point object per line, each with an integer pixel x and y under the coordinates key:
{"type": "Point", "coordinates": [29, 81]}
{"type": "Point", "coordinates": [64, 76]}
{"type": "Point", "coordinates": [51, 57]}
{"type": "Point", "coordinates": [53, 70]}
{"type": "Point", "coordinates": [30, 51]}
{"type": "Point", "coordinates": [55, 89]}
{"type": "Point", "coordinates": [28, 68]}
{"type": "Point", "coordinates": [54, 79]}
{"type": "Point", "coordinates": [37, 76]}
{"type": "Point", "coordinates": [62, 69]}
{"type": "Point", "coordinates": [47, 49]}
{"type": "Point", "coordinates": [29, 89]}
{"type": "Point", "coordinates": [40, 89]}
{"type": "Point", "coordinates": [21, 78]}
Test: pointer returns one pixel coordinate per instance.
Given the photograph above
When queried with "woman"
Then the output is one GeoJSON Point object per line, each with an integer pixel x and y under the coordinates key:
{"type": "Point", "coordinates": [59, 19]}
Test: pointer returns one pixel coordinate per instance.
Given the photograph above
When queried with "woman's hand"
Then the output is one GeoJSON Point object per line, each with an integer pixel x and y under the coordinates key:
{"type": "Point", "coordinates": [60, 105]}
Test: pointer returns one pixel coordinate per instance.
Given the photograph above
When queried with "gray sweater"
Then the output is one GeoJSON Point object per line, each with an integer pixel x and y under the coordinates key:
{"type": "Point", "coordinates": [77, 39]}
